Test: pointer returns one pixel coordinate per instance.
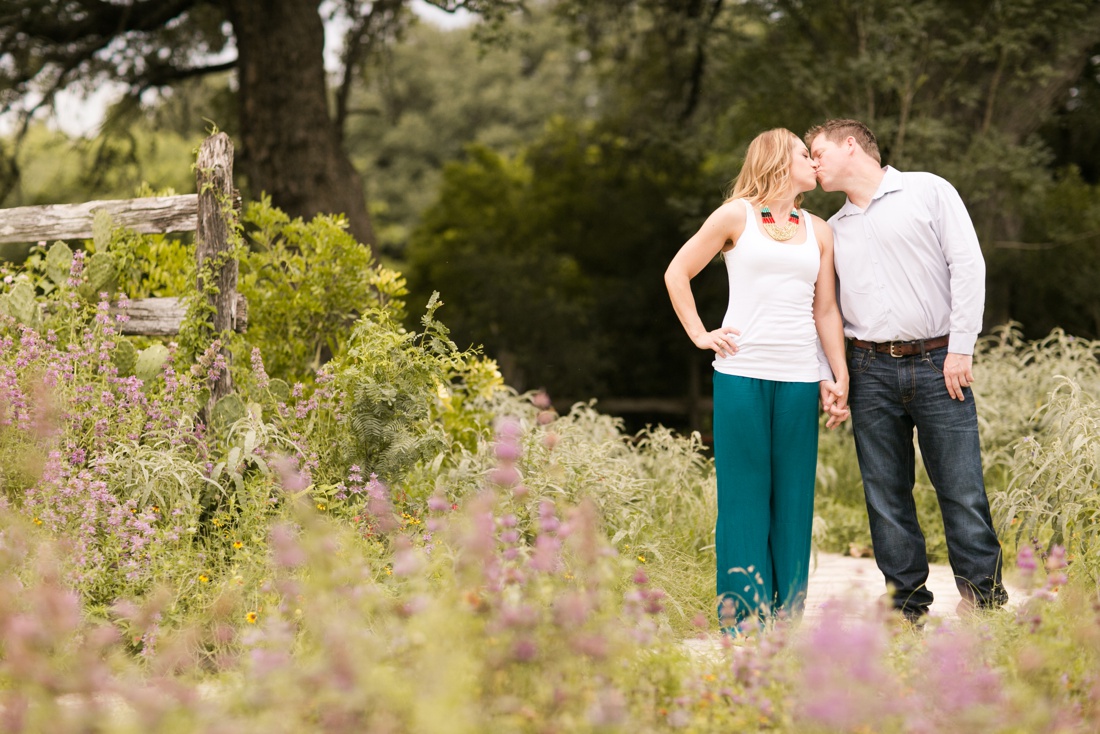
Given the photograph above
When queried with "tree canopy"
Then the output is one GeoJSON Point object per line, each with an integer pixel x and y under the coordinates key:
{"type": "Point", "coordinates": [291, 141]}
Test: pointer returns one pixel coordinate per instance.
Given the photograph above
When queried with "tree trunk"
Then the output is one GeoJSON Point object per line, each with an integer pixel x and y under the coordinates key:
{"type": "Point", "coordinates": [290, 146]}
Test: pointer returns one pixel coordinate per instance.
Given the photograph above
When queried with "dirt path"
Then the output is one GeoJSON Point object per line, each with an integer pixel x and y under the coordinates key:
{"type": "Point", "coordinates": [859, 579]}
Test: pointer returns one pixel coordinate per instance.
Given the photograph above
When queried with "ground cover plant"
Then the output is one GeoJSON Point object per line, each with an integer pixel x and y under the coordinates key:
{"type": "Point", "coordinates": [401, 543]}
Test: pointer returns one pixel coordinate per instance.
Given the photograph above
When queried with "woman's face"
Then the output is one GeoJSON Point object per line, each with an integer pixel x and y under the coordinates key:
{"type": "Point", "coordinates": [803, 168]}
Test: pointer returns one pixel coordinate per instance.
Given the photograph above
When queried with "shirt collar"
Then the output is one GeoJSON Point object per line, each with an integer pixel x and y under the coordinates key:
{"type": "Point", "coordinates": [891, 181]}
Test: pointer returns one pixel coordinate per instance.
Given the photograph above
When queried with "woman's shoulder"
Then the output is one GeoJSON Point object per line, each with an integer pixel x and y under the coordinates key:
{"type": "Point", "coordinates": [819, 224]}
{"type": "Point", "coordinates": [821, 228]}
{"type": "Point", "coordinates": [728, 222]}
{"type": "Point", "coordinates": [733, 210]}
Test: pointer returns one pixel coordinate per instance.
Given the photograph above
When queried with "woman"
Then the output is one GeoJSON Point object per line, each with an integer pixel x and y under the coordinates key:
{"type": "Point", "coordinates": [782, 314]}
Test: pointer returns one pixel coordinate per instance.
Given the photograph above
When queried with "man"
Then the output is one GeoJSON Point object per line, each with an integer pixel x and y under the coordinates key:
{"type": "Point", "coordinates": [912, 291]}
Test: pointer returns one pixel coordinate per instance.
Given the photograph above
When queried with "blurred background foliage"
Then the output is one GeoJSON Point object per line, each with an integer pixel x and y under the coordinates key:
{"type": "Point", "coordinates": [540, 170]}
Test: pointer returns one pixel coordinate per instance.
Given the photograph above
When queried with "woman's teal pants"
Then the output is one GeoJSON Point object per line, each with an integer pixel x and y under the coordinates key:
{"type": "Point", "coordinates": [765, 454]}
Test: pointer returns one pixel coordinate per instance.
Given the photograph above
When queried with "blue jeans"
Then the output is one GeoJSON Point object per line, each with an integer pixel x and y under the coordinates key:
{"type": "Point", "coordinates": [889, 398]}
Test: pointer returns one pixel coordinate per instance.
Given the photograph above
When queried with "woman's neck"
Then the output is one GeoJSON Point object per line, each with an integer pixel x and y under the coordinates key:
{"type": "Point", "coordinates": [779, 206]}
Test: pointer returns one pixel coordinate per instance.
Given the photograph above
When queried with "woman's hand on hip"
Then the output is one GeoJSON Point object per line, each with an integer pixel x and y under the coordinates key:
{"type": "Point", "coordinates": [720, 341]}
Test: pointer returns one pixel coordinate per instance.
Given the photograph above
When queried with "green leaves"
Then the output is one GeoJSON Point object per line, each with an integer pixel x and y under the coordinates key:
{"type": "Point", "coordinates": [99, 272]}
{"type": "Point", "coordinates": [1054, 491]}
{"type": "Point", "coordinates": [397, 385]}
{"type": "Point", "coordinates": [20, 303]}
{"type": "Point", "coordinates": [150, 361]}
{"type": "Point", "coordinates": [58, 263]}
{"type": "Point", "coordinates": [124, 357]}
{"type": "Point", "coordinates": [551, 257]}
{"type": "Point", "coordinates": [227, 410]}
{"type": "Point", "coordinates": [306, 284]}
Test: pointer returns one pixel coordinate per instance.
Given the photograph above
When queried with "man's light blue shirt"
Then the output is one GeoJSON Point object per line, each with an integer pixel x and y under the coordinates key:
{"type": "Point", "coordinates": [910, 266]}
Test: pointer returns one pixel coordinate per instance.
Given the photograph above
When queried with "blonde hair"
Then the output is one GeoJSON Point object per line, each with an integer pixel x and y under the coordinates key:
{"type": "Point", "coordinates": [837, 130]}
{"type": "Point", "coordinates": [766, 173]}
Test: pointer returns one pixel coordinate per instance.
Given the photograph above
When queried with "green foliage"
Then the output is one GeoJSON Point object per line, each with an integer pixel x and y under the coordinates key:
{"type": "Point", "coordinates": [392, 380]}
{"type": "Point", "coordinates": [306, 284]}
{"type": "Point", "coordinates": [229, 409]}
{"type": "Point", "coordinates": [1049, 273]}
{"type": "Point", "coordinates": [1052, 495]}
{"type": "Point", "coordinates": [549, 553]}
{"type": "Point", "coordinates": [149, 362]}
{"type": "Point", "coordinates": [654, 491]}
{"type": "Point", "coordinates": [1023, 405]}
{"type": "Point", "coordinates": [57, 169]}
{"type": "Point", "coordinates": [954, 92]}
{"type": "Point", "coordinates": [146, 265]}
{"type": "Point", "coordinates": [124, 357]}
{"type": "Point", "coordinates": [536, 635]}
{"type": "Point", "coordinates": [548, 244]}
{"type": "Point", "coordinates": [56, 265]}
{"type": "Point", "coordinates": [440, 90]}
{"type": "Point", "coordinates": [20, 304]}
{"type": "Point", "coordinates": [556, 231]}
{"type": "Point", "coordinates": [115, 461]}
{"type": "Point", "coordinates": [1017, 377]}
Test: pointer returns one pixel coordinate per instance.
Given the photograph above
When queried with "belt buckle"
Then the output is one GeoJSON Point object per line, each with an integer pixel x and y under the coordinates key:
{"type": "Point", "coordinates": [892, 347]}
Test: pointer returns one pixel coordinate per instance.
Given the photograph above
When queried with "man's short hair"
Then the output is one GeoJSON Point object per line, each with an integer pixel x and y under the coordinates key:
{"type": "Point", "coordinates": [837, 130]}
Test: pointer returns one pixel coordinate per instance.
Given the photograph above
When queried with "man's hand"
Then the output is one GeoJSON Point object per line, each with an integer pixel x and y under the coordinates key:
{"type": "Point", "coordinates": [957, 374]}
{"type": "Point", "coordinates": [834, 401]}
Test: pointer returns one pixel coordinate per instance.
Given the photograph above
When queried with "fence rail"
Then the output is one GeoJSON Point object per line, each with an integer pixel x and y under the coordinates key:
{"type": "Point", "coordinates": [210, 214]}
{"type": "Point", "coordinates": [150, 215]}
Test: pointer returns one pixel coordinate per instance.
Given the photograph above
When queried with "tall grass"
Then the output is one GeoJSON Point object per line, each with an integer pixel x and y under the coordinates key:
{"type": "Point", "coordinates": [530, 572]}
{"type": "Point", "coordinates": [1023, 391]}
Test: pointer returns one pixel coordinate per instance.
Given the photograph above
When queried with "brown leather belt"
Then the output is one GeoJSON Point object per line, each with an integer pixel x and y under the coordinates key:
{"type": "Point", "coordinates": [902, 349]}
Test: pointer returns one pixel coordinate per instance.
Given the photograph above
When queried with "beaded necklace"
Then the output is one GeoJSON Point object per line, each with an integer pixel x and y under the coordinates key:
{"type": "Point", "coordinates": [781, 232]}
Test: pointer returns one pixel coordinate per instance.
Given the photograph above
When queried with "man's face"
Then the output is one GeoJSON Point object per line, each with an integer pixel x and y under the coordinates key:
{"type": "Point", "coordinates": [830, 159]}
{"type": "Point", "coordinates": [802, 167]}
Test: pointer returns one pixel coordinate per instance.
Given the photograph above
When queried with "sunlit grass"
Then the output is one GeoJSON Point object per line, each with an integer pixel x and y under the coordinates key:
{"type": "Point", "coordinates": [538, 572]}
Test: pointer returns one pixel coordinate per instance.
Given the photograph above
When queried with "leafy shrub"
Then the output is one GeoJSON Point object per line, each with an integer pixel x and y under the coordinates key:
{"type": "Point", "coordinates": [307, 284]}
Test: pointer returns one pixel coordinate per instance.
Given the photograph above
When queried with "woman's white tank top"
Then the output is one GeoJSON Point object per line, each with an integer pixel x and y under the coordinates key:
{"type": "Point", "coordinates": [771, 304]}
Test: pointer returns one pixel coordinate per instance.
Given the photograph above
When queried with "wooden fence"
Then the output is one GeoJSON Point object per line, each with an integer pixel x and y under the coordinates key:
{"type": "Point", "coordinates": [210, 214]}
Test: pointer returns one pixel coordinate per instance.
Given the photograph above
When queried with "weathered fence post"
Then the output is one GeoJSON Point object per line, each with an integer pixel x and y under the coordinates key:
{"type": "Point", "coordinates": [213, 244]}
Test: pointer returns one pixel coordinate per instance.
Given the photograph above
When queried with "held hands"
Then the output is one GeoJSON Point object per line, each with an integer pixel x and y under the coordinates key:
{"type": "Point", "coordinates": [720, 340]}
{"type": "Point", "coordinates": [957, 374]}
{"type": "Point", "coordinates": [834, 401]}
